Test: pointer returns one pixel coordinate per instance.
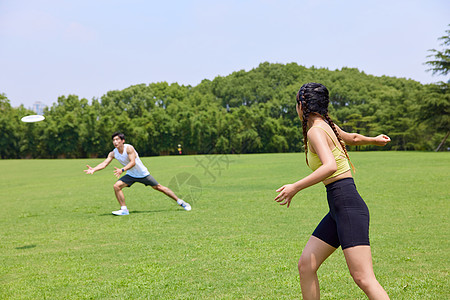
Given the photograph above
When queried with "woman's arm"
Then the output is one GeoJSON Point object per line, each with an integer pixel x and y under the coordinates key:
{"type": "Point", "coordinates": [318, 141]}
{"type": "Point", "coordinates": [356, 139]}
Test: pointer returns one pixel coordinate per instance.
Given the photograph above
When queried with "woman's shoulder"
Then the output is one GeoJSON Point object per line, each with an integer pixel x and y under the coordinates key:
{"type": "Point", "coordinates": [322, 133]}
{"type": "Point", "coordinates": [319, 129]}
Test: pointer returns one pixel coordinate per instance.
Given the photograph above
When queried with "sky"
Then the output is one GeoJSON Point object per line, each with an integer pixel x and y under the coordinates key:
{"type": "Point", "coordinates": [53, 48]}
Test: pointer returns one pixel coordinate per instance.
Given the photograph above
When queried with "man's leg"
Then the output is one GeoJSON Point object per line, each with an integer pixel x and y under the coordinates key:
{"type": "Point", "coordinates": [165, 190]}
{"type": "Point", "coordinates": [118, 186]}
{"type": "Point", "coordinates": [171, 194]}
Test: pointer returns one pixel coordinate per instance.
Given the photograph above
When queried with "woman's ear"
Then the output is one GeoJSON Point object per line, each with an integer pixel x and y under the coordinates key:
{"type": "Point", "coordinates": [299, 110]}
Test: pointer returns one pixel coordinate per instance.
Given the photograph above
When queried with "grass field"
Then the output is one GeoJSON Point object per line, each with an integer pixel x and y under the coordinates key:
{"type": "Point", "coordinates": [60, 241]}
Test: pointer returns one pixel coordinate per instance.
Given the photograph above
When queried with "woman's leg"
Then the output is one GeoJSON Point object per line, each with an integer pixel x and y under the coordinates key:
{"type": "Point", "coordinates": [315, 253]}
{"type": "Point", "coordinates": [359, 262]}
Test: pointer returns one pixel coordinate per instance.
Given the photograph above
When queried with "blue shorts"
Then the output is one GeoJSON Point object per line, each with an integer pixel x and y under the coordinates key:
{"type": "Point", "coordinates": [347, 222]}
{"type": "Point", "coordinates": [129, 180]}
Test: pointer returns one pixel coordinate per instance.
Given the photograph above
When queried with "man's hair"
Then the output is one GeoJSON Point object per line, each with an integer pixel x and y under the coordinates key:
{"type": "Point", "coordinates": [119, 134]}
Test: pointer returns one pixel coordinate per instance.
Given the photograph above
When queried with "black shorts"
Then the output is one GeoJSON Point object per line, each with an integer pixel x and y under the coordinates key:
{"type": "Point", "coordinates": [347, 222]}
{"type": "Point", "coordinates": [129, 180]}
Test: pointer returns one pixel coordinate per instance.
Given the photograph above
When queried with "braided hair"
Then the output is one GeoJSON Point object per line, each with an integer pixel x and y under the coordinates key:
{"type": "Point", "coordinates": [314, 98]}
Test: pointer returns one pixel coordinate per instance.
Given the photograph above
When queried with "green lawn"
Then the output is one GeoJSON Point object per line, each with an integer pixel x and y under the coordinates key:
{"type": "Point", "coordinates": [60, 241]}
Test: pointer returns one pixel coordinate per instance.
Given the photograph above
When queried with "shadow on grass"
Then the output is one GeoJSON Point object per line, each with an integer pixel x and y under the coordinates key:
{"type": "Point", "coordinates": [26, 247]}
{"type": "Point", "coordinates": [146, 212]}
{"type": "Point", "coordinates": [155, 211]}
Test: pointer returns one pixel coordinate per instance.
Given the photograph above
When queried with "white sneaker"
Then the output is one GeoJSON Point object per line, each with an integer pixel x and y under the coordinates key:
{"type": "Point", "coordinates": [122, 212]}
{"type": "Point", "coordinates": [186, 206]}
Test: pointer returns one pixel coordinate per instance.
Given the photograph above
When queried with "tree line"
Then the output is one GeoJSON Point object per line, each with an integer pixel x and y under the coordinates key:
{"type": "Point", "coordinates": [244, 112]}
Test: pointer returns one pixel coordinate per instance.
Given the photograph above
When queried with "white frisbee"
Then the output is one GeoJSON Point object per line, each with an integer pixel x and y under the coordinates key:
{"type": "Point", "coordinates": [32, 118]}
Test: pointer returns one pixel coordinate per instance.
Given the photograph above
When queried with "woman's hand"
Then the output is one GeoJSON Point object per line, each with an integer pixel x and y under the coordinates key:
{"type": "Point", "coordinates": [381, 140]}
{"type": "Point", "coordinates": [286, 193]}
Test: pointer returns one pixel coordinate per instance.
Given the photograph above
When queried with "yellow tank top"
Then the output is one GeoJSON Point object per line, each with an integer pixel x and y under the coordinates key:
{"type": "Point", "coordinates": [341, 160]}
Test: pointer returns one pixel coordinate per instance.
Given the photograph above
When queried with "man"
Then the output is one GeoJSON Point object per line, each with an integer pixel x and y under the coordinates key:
{"type": "Point", "coordinates": [136, 172]}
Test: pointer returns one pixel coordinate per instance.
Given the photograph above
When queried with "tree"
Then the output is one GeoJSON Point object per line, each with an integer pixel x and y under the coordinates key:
{"type": "Point", "coordinates": [441, 63]}
{"type": "Point", "coordinates": [435, 110]}
{"type": "Point", "coordinates": [8, 138]}
{"type": "Point", "coordinates": [244, 112]}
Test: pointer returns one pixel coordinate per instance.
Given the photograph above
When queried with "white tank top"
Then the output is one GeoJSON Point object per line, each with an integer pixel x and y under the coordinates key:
{"type": "Point", "coordinates": [139, 170]}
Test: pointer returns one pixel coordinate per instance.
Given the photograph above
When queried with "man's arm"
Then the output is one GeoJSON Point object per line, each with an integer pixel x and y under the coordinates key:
{"type": "Point", "coordinates": [356, 139]}
{"type": "Point", "coordinates": [101, 165]}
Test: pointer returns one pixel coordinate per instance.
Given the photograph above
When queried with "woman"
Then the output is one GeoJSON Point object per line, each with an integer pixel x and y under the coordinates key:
{"type": "Point", "coordinates": [347, 222]}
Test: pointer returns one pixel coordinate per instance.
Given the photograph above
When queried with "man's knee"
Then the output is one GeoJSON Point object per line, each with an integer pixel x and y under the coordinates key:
{"type": "Point", "coordinates": [158, 187]}
{"type": "Point", "coordinates": [119, 186]}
